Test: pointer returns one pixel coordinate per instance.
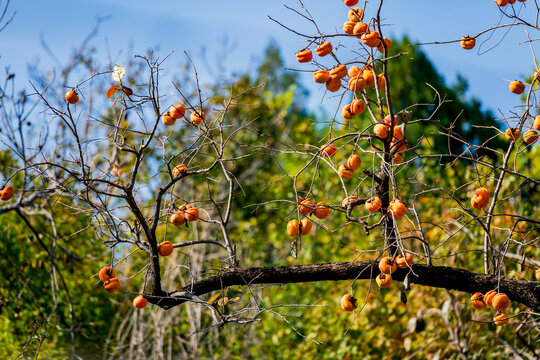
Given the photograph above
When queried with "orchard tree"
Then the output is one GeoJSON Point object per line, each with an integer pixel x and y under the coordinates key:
{"type": "Point", "coordinates": [423, 193]}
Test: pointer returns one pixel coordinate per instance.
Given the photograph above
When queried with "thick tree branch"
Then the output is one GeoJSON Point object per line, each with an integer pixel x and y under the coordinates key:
{"type": "Point", "coordinates": [524, 292]}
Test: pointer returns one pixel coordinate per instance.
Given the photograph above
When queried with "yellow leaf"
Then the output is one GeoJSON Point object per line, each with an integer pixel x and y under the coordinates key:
{"type": "Point", "coordinates": [214, 298]}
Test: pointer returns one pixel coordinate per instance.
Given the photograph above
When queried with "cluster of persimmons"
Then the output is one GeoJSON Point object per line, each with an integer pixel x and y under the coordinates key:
{"type": "Point", "coordinates": [186, 213]}
{"type": "Point", "coordinates": [499, 301]}
{"type": "Point", "coordinates": [387, 265]}
{"type": "Point", "coordinates": [357, 80]}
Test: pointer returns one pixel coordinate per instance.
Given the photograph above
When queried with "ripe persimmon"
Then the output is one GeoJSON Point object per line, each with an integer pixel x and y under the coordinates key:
{"type": "Point", "coordinates": [468, 42]}
{"type": "Point", "coordinates": [373, 204]}
{"type": "Point", "coordinates": [304, 56]}
{"type": "Point", "coordinates": [305, 226]}
{"type": "Point", "coordinates": [477, 301]}
{"type": "Point", "coordinates": [397, 209]}
{"type": "Point", "coordinates": [356, 84]}
{"type": "Point", "coordinates": [177, 111]}
{"type": "Point", "coordinates": [404, 262]}
{"type": "Point", "coordinates": [517, 87]}
{"type": "Point", "coordinates": [500, 302]}
{"type": "Point", "coordinates": [354, 162]}
{"type": "Point", "coordinates": [197, 117]}
{"type": "Point", "coordinates": [369, 76]}
{"type": "Point", "coordinates": [398, 133]}
{"type": "Point", "coordinates": [306, 206]}
{"type": "Point", "coordinates": [113, 284]}
{"type": "Point", "coordinates": [512, 134]}
{"type": "Point", "coordinates": [347, 113]}
{"type": "Point", "coordinates": [165, 248]}
{"type": "Point", "coordinates": [140, 302]}
{"type": "Point", "coordinates": [339, 71]}
{"type": "Point", "coordinates": [536, 123]}
{"type": "Point", "coordinates": [381, 130]}
{"type": "Point", "coordinates": [321, 76]}
{"type": "Point", "coordinates": [357, 106]}
{"type": "Point", "coordinates": [178, 219]}
{"type": "Point", "coordinates": [348, 200]}
{"type": "Point", "coordinates": [7, 193]}
{"type": "Point", "coordinates": [371, 39]}
{"type": "Point", "coordinates": [167, 119]}
{"type": "Point", "coordinates": [321, 211]}
{"type": "Point", "coordinates": [387, 265]}
{"type": "Point", "coordinates": [348, 27]}
{"type": "Point", "coordinates": [501, 319]}
{"type": "Point", "coordinates": [72, 97]}
{"type": "Point", "coordinates": [385, 41]}
{"type": "Point", "coordinates": [401, 145]}
{"type": "Point", "coordinates": [333, 84]}
{"type": "Point", "coordinates": [530, 137]}
{"type": "Point", "coordinates": [360, 28]}
{"type": "Point", "coordinates": [488, 297]}
{"type": "Point", "coordinates": [356, 14]}
{"type": "Point", "coordinates": [329, 150]}
{"type": "Point", "coordinates": [480, 198]}
{"type": "Point", "coordinates": [348, 303]}
{"type": "Point", "coordinates": [386, 120]}
{"type": "Point", "coordinates": [345, 172]}
{"type": "Point", "coordinates": [191, 213]}
{"type": "Point", "coordinates": [381, 82]}
{"type": "Point", "coordinates": [383, 280]}
{"type": "Point", "coordinates": [354, 71]}
{"type": "Point", "coordinates": [398, 158]}
{"type": "Point", "coordinates": [106, 273]}
{"type": "Point", "coordinates": [324, 49]}
{"type": "Point", "coordinates": [179, 170]}
{"type": "Point", "coordinates": [293, 227]}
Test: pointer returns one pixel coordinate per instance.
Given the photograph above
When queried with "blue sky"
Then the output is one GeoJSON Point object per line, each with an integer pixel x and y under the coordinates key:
{"type": "Point", "coordinates": [133, 27]}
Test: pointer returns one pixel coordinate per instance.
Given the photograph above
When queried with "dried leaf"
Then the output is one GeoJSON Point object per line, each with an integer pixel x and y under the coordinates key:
{"type": "Point", "coordinates": [127, 90]}
{"type": "Point", "coordinates": [214, 298]}
{"type": "Point", "coordinates": [403, 296]}
{"type": "Point", "coordinates": [118, 73]}
{"type": "Point", "coordinates": [223, 301]}
{"type": "Point", "coordinates": [406, 283]}
{"type": "Point", "coordinates": [445, 311]}
{"type": "Point", "coordinates": [116, 171]}
{"type": "Point", "coordinates": [293, 249]}
{"type": "Point", "coordinates": [411, 325]}
{"type": "Point", "coordinates": [233, 300]}
{"type": "Point", "coordinates": [114, 102]}
{"type": "Point", "coordinates": [112, 90]}
{"type": "Point", "coordinates": [407, 344]}
{"type": "Point", "coordinates": [420, 325]}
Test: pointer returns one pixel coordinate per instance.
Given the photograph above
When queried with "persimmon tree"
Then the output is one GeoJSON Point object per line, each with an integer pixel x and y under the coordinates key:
{"type": "Point", "coordinates": [161, 168]}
